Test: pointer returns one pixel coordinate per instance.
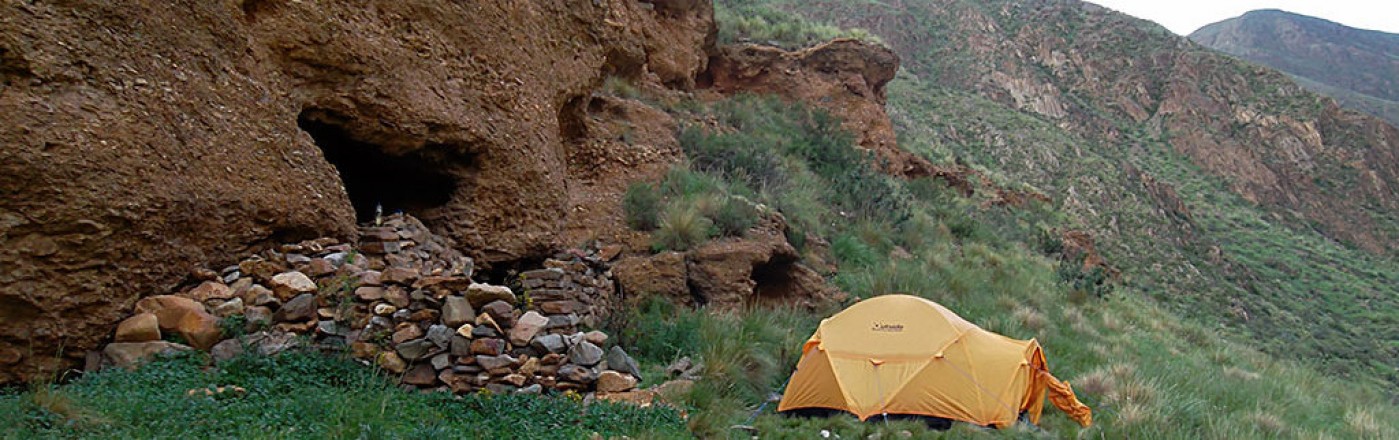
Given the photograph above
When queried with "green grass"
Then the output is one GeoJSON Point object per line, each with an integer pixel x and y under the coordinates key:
{"type": "Point", "coordinates": [301, 395]}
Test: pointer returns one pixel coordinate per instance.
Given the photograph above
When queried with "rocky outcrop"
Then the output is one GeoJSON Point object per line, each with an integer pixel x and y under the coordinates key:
{"type": "Point", "coordinates": [760, 268]}
{"type": "Point", "coordinates": [844, 77]}
{"type": "Point", "coordinates": [134, 131]}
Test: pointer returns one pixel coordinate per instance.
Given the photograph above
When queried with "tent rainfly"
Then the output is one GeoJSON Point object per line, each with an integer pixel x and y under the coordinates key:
{"type": "Point", "coordinates": [901, 354]}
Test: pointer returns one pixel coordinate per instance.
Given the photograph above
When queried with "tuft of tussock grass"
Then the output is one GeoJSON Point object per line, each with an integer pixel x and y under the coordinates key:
{"type": "Point", "coordinates": [1240, 374]}
{"type": "Point", "coordinates": [640, 205]}
{"type": "Point", "coordinates": [1363, 423]}
{"type": "Point", "coordinates": [1030, 318]}
{"type": "Point", "coordinates": [1268, 423]}
{"type": "Point", "coordinates": [682, 228]}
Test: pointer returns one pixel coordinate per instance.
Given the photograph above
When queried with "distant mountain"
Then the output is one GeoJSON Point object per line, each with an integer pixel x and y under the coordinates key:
{"type": "Point", "coordinates": [1360, 68]}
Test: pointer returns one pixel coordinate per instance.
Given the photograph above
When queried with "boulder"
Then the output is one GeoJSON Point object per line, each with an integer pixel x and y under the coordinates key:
{"type": "Point", "coordinates": [399, 275]}
{"type": "Point", "coordinates": [301, 308]}
{"type": "Point", "coordinates": [134, 354]}
{"type": "Point", "coordinates": [260, 296]}
{"type": "Point", "coordinates": [329, 327]}
{"type": "Point", "coordinates": [229, 308]}
{"type": "Point", "coordinates": [561, 307]}
{"type": "Point", "coordinates": [456, 310]}
{"type": "Point", "coordinates": [383, 309]}
{"type": "Point", "coordinates": [290, 284]}
{"type": "Point", "coordinates": [406, 333]}
{"type": "Point", "coordinates": [422, 375]}
{"type": "Point", "coordinates": [210, 290]}
{"type": "Point", "coordinates": [416, 349]}
{"type": "Point", "coordinates": [585, 354]}
{"type": "Point", "coordinates": [320, 267]}
{"type": "Point", "coordinates": [485, 321]}
{"type": "Point", "coordinates": [515, 379]}
{"type": "Point", "coordinates": [460, 346]}
{"type": "Point", "coordinates": [225, 350]}
{"type": "Point", "coordinates": [168, 308]}
{"type": "Point", "coordinates": [142, 327]}
{"type": "Point", "coordinates": [618, 359]}
{"type": "Point", "coordinates": [548, 344]}
{"type": "Point", "coordinates": [392, 362]}
{"type": "Point", "coordinates": [270, 343]}
{"type": "Point", "coordinates": [614, 382]}
{"type": "Point", "coordinates": [479, 294]}
{"type": "Point", "coordinates": [183, 317]}
{"type": "Point", "coordinates": [578, 374]}
{"type": "Point", "coordinates": [529, 367]}
{"type": "Point", "coordinates": [526, 327]}
{"type": "Point", "coordinates": [484, 331]}
{"type": "Point", "coordinates": [369, 293]}
{"type": "Point", "coordinates": [397, 296]}
{"type": "Point", "coordinates": [596, 337]}
{"type": "Point", "coordinates": [495, 362]}
{"type": "Point", "coordinates": [441, 361]}
{"type": "Point", "coordinates": [488, 346]}
{"type": "Point", "coordinates": [200, 330]}
{"type": "Point", "coordinates": [258, 316]}
{"type": "Point", "coordinates": [440, 335]}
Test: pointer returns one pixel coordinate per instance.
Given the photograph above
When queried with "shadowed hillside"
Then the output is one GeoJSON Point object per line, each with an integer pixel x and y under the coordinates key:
{"type": "Point", "coordinates": [1360, 68]}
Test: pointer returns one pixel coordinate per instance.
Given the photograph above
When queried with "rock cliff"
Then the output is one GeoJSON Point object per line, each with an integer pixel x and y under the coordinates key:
{"type": "Point", "coordinates": [144, 139]}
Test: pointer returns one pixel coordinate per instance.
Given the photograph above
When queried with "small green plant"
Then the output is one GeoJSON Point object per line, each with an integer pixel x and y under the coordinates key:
{"type": "Point", "coordinates": [640, 205]}
{"type": "Point", "coordinates": [1091, 282]}
{"type": "Point", "coordinates": [735, 216]}
{"type": "Point", "coordinates": [682, 228]}
{"type": "Point", "coordinates": [234, 326]}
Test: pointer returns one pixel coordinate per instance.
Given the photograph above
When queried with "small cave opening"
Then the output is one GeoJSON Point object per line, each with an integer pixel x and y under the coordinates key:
{"type": "Point", "coordinates": [774, 283]}
{"type": "Point", "coordinates": [507, 273]}
{"type": "Point", "coordinates": [414, 183]}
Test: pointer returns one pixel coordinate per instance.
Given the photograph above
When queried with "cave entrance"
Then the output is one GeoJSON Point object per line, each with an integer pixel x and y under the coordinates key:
{"type": "Point", "coordinates": [414, 183]}
{"type": "Point", "coordinates": [774, 284]}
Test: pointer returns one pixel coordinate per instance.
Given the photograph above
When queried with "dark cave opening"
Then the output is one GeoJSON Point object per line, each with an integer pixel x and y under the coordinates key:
{"type": "Point", "coordinates": [773, 283]}
{"type": "Point", "coordinates": [413, 183]}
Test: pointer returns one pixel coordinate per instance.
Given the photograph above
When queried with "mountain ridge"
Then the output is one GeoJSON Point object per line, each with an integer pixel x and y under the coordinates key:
{"type": "Point", "coordinates": [1358, 67]}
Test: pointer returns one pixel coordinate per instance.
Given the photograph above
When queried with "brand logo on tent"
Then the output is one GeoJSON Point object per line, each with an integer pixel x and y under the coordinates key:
{"type": "Point", "coordinates": [884, 327]}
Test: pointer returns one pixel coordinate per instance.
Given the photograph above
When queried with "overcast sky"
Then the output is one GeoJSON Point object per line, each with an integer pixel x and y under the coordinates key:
{"type": "Point", "coordinates": [1185, 16]}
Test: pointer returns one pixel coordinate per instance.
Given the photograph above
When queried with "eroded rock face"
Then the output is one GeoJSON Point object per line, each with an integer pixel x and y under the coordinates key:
{"type": "Point", "coordinates": [760, 268]}
{"type": "Point", "coordinates": [845, 77]}
{"type": "Point", "coordinates": [143, 139]}
{"type": "Point", "coordinates": [131, 133]}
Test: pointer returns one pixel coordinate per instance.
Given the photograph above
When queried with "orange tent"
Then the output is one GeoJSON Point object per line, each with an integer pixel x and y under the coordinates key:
{"type": "Point", "coordinates": [900, 354]}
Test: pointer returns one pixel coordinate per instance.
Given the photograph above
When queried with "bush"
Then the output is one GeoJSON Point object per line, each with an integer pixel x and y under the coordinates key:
{"type": "Point", "coordinates": [682, 228]}
{"type": "Point", "coordinates": [735, 216]}
{"type": "Point", "coordinates": [640, 205]}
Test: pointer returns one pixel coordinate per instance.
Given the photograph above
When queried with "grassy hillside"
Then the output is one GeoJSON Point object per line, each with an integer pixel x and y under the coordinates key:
{"type": "Point", "coordinates": [1182, 235]}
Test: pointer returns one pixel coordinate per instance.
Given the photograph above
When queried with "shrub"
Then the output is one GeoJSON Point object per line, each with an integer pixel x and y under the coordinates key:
{"type": "Point", "coordinates": [735, 216]}
{"type": "Point", "coordinates": [682, 228]}
{"type": "Point", "coordinates": [640, 206]}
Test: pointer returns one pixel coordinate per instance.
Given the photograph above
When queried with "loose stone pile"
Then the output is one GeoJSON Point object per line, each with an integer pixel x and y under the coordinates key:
{"type": "Point", "coordinates": [403, 301]}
